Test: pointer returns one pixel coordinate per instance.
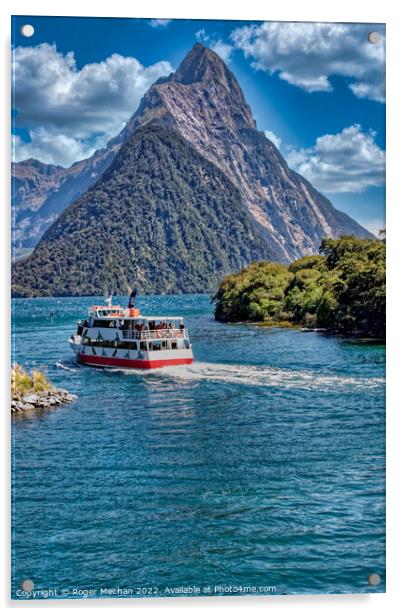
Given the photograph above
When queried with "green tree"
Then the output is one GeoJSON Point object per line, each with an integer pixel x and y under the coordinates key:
{"type": "Point", "coordinates": [341, 290]}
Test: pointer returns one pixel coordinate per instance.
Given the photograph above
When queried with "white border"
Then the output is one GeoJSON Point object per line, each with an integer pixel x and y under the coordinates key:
{"type": "Point", "coordinates": [387, 11]}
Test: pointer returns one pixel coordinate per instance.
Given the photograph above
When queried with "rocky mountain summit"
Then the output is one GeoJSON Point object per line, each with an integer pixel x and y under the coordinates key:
{"type": "Point", "coordinates": [201, 111]}
{"type": "Point", "coordinates": [203, 101]}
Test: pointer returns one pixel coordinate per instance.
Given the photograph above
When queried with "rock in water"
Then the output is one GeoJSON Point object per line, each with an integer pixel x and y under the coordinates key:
{"type": "Point", "coordinates": [30, 392]}
{"type": "Point", "coordinates": [30, 399]}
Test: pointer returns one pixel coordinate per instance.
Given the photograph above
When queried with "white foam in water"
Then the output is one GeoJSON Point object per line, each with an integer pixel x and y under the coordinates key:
{"type": "Point", "coordinates": [60, 365]}
{"type": "Point", "coordinates": [263, 376]}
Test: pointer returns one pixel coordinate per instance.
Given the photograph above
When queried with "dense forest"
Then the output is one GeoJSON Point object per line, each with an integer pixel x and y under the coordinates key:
{"type": "Point", "coordinates": [161, 218]}
{"type": "Point", "coordinates": [340, 290]}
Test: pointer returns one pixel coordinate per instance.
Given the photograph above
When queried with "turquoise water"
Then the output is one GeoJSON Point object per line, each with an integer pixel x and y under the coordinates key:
{"type": "Point", "coordinates": [260, 467]}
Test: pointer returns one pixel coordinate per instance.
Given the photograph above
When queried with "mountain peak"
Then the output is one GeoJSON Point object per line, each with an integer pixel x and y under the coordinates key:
{"type": "Point", "coordinates": [34, 162]}
{"type": "Point", "coordinates": [202, 103]}
{"type": "Point", "coordinates": [201, 64]}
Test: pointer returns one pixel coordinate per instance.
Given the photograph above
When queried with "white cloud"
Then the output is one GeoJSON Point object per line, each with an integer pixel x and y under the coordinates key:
{"type": "Point", "coordinates": [308, 54]}
{"type": "Point", "coordinates": [202, 35]}
{"type": "Point", "coordinates": [374, 225]}
{"type": "Point", "coordinates": [349, 161]}
{"type": "Point", "coordinates": [159, 23]}
{"type": "Point", "coordinates": [224, 50]}
{"type": "Point", "coordinates": [274, 138]}
{"type": "Point", "coordinates": [52, 148]}
{"type": "Point", "coordinates": [53, 97]}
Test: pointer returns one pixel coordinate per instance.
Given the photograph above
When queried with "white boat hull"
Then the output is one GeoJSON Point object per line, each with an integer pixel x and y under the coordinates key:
{"type": "Point", "coordinates": [109, 358]}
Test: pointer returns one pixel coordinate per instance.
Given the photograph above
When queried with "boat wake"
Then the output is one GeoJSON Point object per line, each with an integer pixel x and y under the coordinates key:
{"type": "Point", "coordinates": [59, 364]}
{"type": "Point", "coordinates": [263, 376]}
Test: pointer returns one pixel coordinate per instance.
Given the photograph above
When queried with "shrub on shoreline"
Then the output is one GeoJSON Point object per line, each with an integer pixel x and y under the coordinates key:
{"type": "Point", "coordinates": [34, 391]}
{"type": "Point", "coordinates": [23, 383]}
{"type": "Point", "coordinates": [341, 290]}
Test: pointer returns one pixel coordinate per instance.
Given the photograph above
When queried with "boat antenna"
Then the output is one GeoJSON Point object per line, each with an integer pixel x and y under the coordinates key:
{"type": "Point", "coordinates": [108, 299]}
{"type": "Point", "coordinates": [131, 300]}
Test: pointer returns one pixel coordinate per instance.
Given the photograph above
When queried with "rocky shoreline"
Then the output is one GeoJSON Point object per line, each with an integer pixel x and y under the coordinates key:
{"type": "Point", "coordinates": [43, 400]}
{"type": "Point", "coordinates": [34, 392]}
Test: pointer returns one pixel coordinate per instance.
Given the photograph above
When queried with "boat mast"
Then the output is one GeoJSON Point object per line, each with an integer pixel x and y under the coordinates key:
{"type": "Point", "coordinates": [108, 300]}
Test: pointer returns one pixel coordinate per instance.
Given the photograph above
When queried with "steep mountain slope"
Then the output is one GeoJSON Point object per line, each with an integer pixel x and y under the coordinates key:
{"type": "Point", "coordinates": [41, 192]}
{"type": "Point", "coordinates": [161, 217]}
{"type": "Point", "coordinates": [33, 181]}
{"type": "Point", "coordinates": [204, 103]}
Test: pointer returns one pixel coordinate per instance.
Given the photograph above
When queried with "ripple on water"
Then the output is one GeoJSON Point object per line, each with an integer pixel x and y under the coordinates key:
{"type": "Point", "coordinates": [261, 463]}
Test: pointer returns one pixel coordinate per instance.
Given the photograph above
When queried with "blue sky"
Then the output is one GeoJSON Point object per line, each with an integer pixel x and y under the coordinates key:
{"type": "Point", "coordinates": [317, 89]}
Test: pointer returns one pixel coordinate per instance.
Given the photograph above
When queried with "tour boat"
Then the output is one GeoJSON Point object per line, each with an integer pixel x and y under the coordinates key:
{"type": "Point", "coordinates": [114, 336]}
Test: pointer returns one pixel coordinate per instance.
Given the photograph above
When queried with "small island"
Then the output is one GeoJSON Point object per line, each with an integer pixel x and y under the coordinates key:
{"type": "Point", "coordinates": [34, 391]}
{"type": "Point", "coordinates": [341, 290]}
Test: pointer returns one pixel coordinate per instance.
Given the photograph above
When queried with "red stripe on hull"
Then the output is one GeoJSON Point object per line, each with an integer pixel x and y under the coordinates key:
{"type": "Point", "coordinates": [111, 362]}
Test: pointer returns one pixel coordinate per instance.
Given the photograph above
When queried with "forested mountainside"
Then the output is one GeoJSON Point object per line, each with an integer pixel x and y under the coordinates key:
{"type": "Point", "coordinates": [162, 218]}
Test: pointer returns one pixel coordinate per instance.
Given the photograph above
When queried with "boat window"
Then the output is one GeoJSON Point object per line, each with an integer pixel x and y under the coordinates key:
{"type": "Point", "coordinates": [103, 323]}
{"type": "Point", "coordinates": [174, 344]}
{"type": "Point", "coordinates": [143, 346]}
{"type": "Point", "coordinates": [128, 324]}
{"type": "Point", "coordinates": [107, 343]}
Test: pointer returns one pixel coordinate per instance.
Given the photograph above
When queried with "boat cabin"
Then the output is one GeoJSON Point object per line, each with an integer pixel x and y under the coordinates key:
{"type": "Point", "coordinates": [114, 323]}
{"type": "Point", "coordinates": [110, 333]}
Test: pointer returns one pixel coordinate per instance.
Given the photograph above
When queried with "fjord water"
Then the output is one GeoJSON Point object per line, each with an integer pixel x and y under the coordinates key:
{"type": "Point", "coordinates": [262, 464]}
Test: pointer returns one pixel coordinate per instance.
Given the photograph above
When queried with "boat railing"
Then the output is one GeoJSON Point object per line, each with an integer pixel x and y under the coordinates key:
{"type": "Point", "coordinates": [152, 334]}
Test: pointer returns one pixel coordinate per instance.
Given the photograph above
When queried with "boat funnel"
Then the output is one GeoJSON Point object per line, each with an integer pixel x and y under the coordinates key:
{"type": "Point", "coordinates": [131, 301]}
